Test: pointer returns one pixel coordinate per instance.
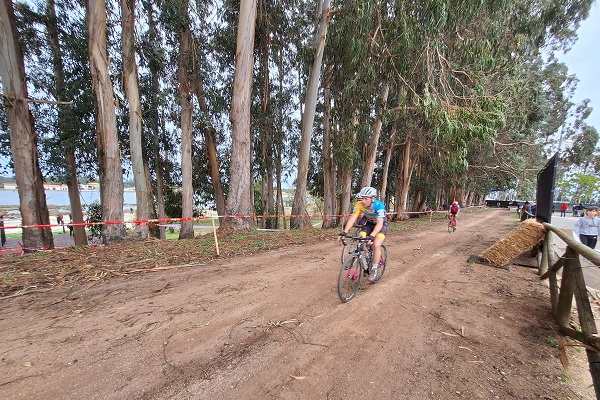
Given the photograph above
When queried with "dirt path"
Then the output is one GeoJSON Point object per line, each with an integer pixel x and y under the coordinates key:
{"type": "Point", "coordinates": [271, 326]}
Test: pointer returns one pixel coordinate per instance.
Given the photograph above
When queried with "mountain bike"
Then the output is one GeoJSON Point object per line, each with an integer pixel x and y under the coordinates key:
{"type": "Point", "coordinates": [358, 264]}
{"type": "Point", "coordinates": [451, 223]}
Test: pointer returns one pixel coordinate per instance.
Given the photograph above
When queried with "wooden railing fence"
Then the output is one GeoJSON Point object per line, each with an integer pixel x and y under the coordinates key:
{"type": "Point", "coordinates": [572, 285]}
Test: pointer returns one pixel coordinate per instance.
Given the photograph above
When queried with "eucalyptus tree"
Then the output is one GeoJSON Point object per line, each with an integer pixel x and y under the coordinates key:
{"type": "Point", "coordinates": [52, 35]}
{"type": "Point", "coordinates": [184, 85]}
{"type": "Point", "coordinates": [143, 193]}
{"type": "Point", "coordinates": [263, 110]}
{"type": "Point", "coordinates": [354, 74]}
{"type": "Point", "coordinates": [291, 24]}
{"type": "Point", "coordinates": [239, 201]}
{"type": "Point", "coordinates": [278, 43]}
{"type": "Point", "coordinates": [210, 144]}
{"type": "Point", "coordinates": [23, 138]}
{"type": "Point", "coordinates": [154, 94]}
{"type": "Point", "coordinates": [466, 57]}
{"type": "Point", "coordinates": [299, 213]}
{"type": "Point", "coordinates": [109, 154]}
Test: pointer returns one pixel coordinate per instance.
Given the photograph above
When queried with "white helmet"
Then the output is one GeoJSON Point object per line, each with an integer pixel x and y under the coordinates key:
{"type": "Point", "coordinates": [367, 191]}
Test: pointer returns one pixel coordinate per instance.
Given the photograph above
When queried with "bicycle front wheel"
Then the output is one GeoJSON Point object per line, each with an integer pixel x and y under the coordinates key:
{"type": "Point", "coordinates": [382, 264]}
{"type": "Point", "coordinates": [450, 228]}
{"type": "Point", "coordinates": [349, 278]}
{"type": "Point", "coordinates": [347, 249]}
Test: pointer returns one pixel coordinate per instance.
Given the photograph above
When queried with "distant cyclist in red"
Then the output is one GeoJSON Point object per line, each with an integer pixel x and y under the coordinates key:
{"type": "Point", "coordinates": [454, 210]}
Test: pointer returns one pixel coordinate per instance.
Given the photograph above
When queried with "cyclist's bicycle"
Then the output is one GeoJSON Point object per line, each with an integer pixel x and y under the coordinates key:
{"type": "Point", "coordinates": [349, 243]}
{"type": "Point", "coordinates": [451, 223]}
{"type": "Point", "coordinates": [358, 264]}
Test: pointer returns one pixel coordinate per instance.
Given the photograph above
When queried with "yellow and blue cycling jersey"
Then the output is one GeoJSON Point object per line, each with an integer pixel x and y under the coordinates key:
{"type": "Point", "coordinates": [371, 215]}
{"type": "Point", "coordinates": [377, 210]}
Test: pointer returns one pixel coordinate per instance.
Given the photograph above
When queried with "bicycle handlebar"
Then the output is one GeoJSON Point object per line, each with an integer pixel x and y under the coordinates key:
{"type": "Point", "coordinates": [358, 238]}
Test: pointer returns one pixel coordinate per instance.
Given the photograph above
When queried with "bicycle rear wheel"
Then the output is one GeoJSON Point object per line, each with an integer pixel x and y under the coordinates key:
{"type": "Point", "coordinates": [382, 264]}
{"type": "Point", "coordinates": [349, 278]}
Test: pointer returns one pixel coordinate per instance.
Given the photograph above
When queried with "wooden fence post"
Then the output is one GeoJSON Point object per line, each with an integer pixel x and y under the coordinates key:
{"type": "Point", "coordinates": [567, 288]}
{"type": "Point", "coordinates": [586, 320]}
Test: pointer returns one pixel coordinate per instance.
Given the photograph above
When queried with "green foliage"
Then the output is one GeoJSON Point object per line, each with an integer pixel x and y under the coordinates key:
{"type": "Point", "coordinates": [580, 187]}
{"type": "Point", "coordinates": [94, 215]}
{"type": "Point", "coordinates": [173, 202]}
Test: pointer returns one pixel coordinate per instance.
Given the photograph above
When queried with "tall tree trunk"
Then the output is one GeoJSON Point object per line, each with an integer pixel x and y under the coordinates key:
{"type": "Point", "coordinates": [265, 119]}
{"type": "Point", "coordinates": [299, 213]}
{"type": "Point", "coordinates": [346, 177]}
{"type": "Point", "coordinates": [23, 140]}
{"type": "Point", "coordinates": [160, 186]}
{"type": "Point", "coordinates": [386, 165]}
{"type": "Point", "coordinates": [369, 166]}
{"type": "Point", "coordinates": [280, 208]}
{"type": "Point", "coordinates": [109, 154]}
{"type": "Point", "coordinates": [329, 219]}
{"type": "Point", "coordinates": [59, 93]}
{"type": "Point", "coordinates": [272, 222]}
{"type": "Point", "coordinates": [278, 145]}
{"type": "Point", "coordinates": [184, 62]}
{"type": "Point", "coordinates": [155, 121]}
{"type": "Point", "coordinates": [75, 199]}
{"type": "Point", "coordinates": [239, 198]}
{"type": "Point", "coordinates": [210, 143]}
{"type": "Point", "coordinates": [403, 181]}
{"type": "Point", "coordinates": [143, 194]}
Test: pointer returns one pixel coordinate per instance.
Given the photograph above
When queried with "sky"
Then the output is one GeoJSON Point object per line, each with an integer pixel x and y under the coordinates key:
{"type": "Point", "coordinates": [583, 60]}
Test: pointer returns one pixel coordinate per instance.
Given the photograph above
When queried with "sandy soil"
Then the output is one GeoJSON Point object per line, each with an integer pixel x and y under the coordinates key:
{"type": "Point", "coordinates": [271, 326]}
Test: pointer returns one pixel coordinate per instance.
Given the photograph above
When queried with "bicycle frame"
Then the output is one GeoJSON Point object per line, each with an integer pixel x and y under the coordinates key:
{"type": "Point", "coordinates": [452, 223]}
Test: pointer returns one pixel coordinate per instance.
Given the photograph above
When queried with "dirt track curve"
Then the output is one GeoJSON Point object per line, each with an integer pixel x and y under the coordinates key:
{"type": "Point", "coordinates": [271, 326]}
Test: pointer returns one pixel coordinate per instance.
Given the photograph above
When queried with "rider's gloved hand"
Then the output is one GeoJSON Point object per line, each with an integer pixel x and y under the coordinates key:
{"type": "Point", "coordinates": [371, 238]}
{"type": "Point", "coordinates": [343, 235]}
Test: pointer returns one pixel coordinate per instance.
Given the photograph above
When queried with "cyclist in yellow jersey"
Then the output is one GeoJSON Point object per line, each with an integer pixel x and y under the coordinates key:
{"type": "Point", "coordinates": [373, 212]}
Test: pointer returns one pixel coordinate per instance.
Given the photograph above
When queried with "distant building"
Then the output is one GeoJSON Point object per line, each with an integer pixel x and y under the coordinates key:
{"type": "Point", "coordinates": [89, 187]}
{"type": "Point", "coordinates": [51, 186]}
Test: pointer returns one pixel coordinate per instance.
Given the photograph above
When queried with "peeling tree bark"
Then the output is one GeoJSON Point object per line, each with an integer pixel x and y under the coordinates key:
{"type": "Point", "coordinates": [23, 140]}
{"type": "Point", "coordinates": [109, 155]}
{"type": "Point", "coordinates": [143, 194]}
{"type": "Point", "coordinates": [239, 199]}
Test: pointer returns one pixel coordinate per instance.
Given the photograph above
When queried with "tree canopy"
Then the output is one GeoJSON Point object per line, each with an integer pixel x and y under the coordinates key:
{"type": "Point", "coordinates": [427, 101]}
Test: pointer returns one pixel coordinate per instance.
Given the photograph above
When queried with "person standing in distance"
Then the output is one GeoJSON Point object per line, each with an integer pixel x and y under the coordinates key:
{"type": "Point", "coordinates": [563, 209]}
{"type": "Point", "coordinates": [373, 212]}
{"type": "Point", "coordinates": [586, 228]}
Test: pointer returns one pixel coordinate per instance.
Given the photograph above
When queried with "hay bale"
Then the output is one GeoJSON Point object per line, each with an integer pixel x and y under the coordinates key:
{"type": "Point", "coordinates": [523, 238]}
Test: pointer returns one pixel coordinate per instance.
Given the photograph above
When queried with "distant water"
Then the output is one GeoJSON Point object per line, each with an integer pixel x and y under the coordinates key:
{"type": "Point", "coordinates": [60, 198]}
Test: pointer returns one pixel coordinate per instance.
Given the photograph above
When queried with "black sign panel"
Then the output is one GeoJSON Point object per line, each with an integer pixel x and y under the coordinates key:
{"type": "Point", "coordinates": [545, 190]}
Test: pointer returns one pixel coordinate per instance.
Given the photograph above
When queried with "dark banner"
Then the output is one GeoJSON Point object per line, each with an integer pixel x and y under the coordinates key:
{"type": "Point", "coordinates": [545, 190]}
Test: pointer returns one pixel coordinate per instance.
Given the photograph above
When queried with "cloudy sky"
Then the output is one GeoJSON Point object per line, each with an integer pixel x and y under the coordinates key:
{"type": "Point", "coordinates": [584, 61]}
